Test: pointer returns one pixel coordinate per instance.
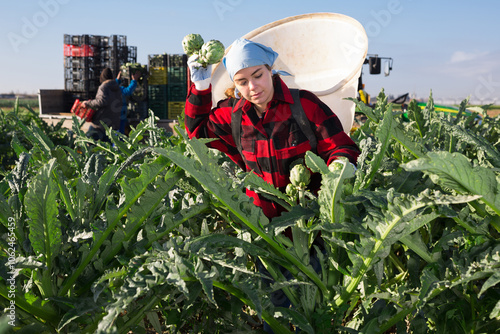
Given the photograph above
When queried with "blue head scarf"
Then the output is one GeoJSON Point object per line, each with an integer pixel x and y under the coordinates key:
{"type": "Point", "coordinates": [245, 53]}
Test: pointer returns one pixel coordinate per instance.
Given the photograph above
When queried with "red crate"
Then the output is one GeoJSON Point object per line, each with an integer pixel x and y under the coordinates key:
{"type": "Point", "coordinates": [78, 51]}
{"type": "Point", "coordinates": [81, 112]}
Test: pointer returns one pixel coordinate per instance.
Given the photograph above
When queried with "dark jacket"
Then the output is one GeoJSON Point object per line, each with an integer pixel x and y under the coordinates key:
{"type": "Point", "coordinates": [108, 105]}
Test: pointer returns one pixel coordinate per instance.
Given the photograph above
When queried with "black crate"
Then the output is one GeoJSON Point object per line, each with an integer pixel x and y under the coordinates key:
{"type": "Point", "coordinates": [82, 73]}
{"type": "Point", "coordinates": [99, 40]}
{"type": "Point", "coordinates": [157, 93]}
{"type": "Point", "coordinates": [160, 109]}
{"type": "Point", "coordinates": [76, 39]}
{"type": "Point", "coordinates": [68, 73]}
{"type": "Point", "coordinates": [177, 60]}
{"type": "Point", "coordinates": [176, 92]}
{"type": "Point", "coordinates": [68, 39]}
{"type": "Point", "coordinates": [177, 75]}
{"type": "Point", "coordinates": [85, 85]}
{"type": "Point", "coordinates": [118, 40]}
{"type": "Point", "coordinates": [79, 62]}
{"type": "Point", "coordinates": [68, 62]}
{"type": "Point", "coordinates": [122, 53]}
{"type": "Point", "coordinates": [132, 54]}
{"type": "Point", "coordinates": [137, 110]}
{"type": "Point", "coordinates": [158, 60]}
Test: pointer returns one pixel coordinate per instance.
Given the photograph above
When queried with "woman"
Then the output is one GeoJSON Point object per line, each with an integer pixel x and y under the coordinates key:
{"type": "Point", "coordinates": [107, 105]}
{"type": "Point", "coordinates": [271, 139]}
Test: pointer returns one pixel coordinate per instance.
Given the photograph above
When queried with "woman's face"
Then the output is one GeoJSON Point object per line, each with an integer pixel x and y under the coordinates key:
{"type": "Point", "coordinates": [256, 85]}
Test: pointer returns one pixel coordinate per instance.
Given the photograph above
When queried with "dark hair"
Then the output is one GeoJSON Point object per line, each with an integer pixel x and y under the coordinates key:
{"type": "Point", "coordinates": [106, 74]}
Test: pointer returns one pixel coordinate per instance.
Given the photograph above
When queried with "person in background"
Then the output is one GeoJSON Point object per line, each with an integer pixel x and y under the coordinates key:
{"type": "Point", "coordinates": [107, 105]}
{"type": "Point", "coordinates": [126, 91]}
{"type": "Point", "coordinates": [271, 139]}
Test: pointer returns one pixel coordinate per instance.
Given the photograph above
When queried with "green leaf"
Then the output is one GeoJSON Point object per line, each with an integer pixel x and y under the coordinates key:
{"type": "Point", "coordinates": [477, 140]}
{"type": "Point", "coordinates": [491, 281]}
{"type": "Point", "coordinates": [416, 115]}
{"type": "Point", "coordinates": [332, 183]}
{"type": "Point", "coordinates": [224, 241]}
{"type": "Point", "coordinates": [296, 318]}
{"type": "Point", "coordinates": [154, 321]}
{"type": "Point", "coordinates": [455, 171]}
{"type": "Point", "coordinates": [495, 313]}
{"type": "Point", "coordinates": [401, 216]}
{"type": "Point", "coordinates": [383, 135]}
{"type": "Point", "coordinates": [133, 192]}
{"type": "Point", "coordinates": [6, 214]}
{"type": "Point", "coordinates": [142, 208]}
{"type": "Point", "coordinates": [18, 176]}
{"type": "Point", "coordinates": [38, 139]}
{"type": "Point", "coordinates": [411, 143]}
{"type": "Point", "coordinates": [258, 184]}
{"type": "Point", "coordinates": [17, 146]}
{"type": "Point", "coordinates": [41, 205]}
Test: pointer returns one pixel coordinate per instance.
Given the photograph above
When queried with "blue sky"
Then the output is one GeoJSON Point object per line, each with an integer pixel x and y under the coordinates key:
{"type": "Point", "coordinates": [449, 47]}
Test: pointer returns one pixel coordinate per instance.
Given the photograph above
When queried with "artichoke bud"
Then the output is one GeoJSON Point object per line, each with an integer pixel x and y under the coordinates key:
{"type": "Point", "coordinates": [336, 166]}
{"type": "Point", "coordinates": [211, 52]}
{"type": "Point", "coordinates": [300, 176]}
{"type": "Point", "coordinates": [192, 43]}
{"type": "Point", "coordinates": [291, 190]}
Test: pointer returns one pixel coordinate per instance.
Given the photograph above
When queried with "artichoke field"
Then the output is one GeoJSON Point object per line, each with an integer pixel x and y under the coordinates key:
{"type": "Point", "coordinates": [153, 232]}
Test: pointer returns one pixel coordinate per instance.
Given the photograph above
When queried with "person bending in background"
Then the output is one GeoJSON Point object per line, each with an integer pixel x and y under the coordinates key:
{"type": "Point", "coordinates": [107, 105]}
{"type": "Point", "coordinates": [126, 91]}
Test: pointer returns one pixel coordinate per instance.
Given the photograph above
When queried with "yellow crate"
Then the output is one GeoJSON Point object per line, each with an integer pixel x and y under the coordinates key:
{"type": "Point", "coordinates": [157, 76]}
{"type": "Point", "coordinates": [175, 109]}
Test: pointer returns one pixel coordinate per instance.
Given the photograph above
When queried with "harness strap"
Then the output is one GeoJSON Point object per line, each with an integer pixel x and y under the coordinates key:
{"type": "Point", "coordinates": [236, 126]}
{"type": "Point", "coordinates": [297, 113]}
{"type": "Point", "coordinates": [300, 117]}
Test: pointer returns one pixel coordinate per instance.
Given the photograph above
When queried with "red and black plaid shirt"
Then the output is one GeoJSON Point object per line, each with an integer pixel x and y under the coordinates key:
{"type": "Point", "coordinates": [272, 143]}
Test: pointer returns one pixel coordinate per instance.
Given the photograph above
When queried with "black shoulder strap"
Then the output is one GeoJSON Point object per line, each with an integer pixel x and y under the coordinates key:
{"type": "Point", "coordinates": [300, 117]}
{"type": "Point", "coordinates": [236, 126]}
{"type": "Point", "coordinates": [297, 113]}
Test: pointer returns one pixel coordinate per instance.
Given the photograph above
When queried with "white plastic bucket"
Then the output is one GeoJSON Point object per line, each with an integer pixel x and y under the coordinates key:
{"type": "Point", "coordinates": [323, 51]}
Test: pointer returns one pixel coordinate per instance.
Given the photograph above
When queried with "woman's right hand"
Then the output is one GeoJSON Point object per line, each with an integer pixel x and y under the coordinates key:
{"type": "Point", "coordinates": [200, 76]}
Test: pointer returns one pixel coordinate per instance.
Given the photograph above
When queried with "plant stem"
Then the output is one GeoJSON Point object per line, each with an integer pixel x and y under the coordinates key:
{"type": "Point", "coordinates": [395, 319]}
{"type": "Point", "coordinates": [367, 262]}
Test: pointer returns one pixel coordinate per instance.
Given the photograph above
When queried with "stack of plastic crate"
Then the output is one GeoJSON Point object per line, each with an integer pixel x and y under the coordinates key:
{"type": "Point", "coordinates": [177, 85]}
{"type": "Point", "coordinates": [81, 65]}
{"type": "Point", "coordinates": [157, 84]}
{"type": "Point", "coordinates": [85, 56]}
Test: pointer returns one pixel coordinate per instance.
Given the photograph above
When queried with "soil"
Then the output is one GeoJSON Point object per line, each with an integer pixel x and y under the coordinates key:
{"type": "Point", "coordinates": [494, 112]}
